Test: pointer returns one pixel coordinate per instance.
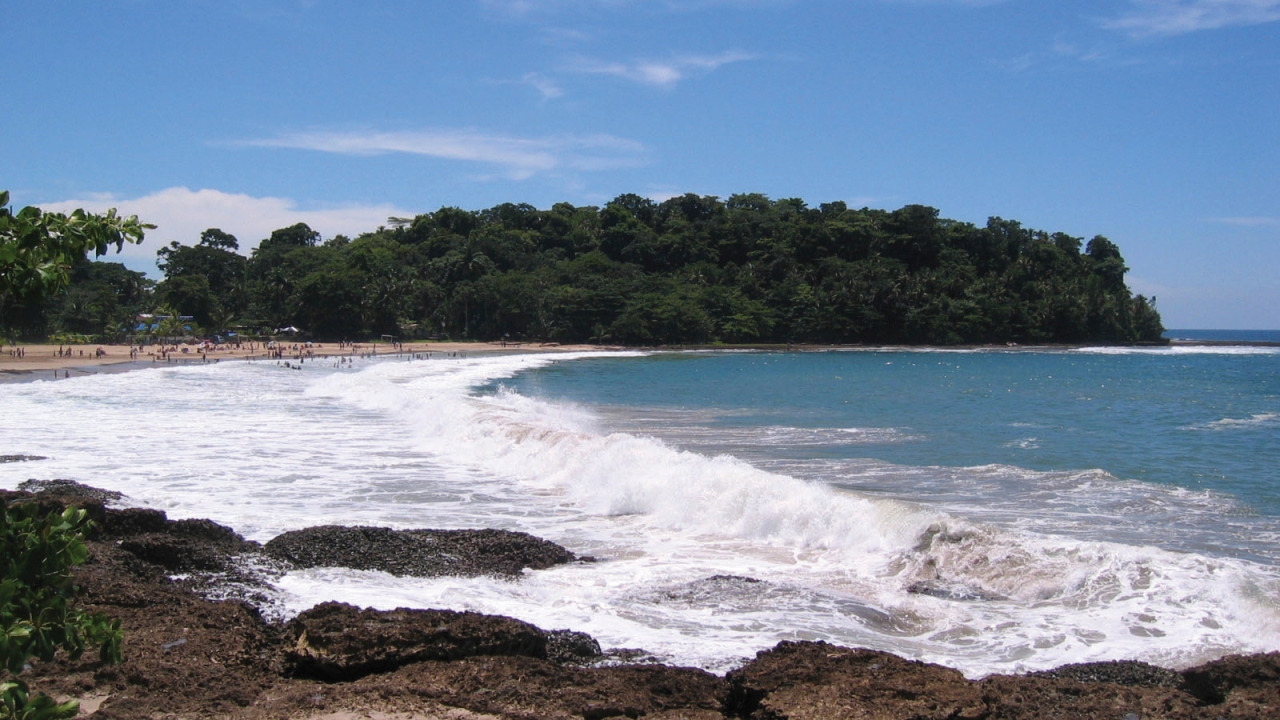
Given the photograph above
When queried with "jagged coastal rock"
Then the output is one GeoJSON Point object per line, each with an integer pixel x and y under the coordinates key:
{"type": "Point", "coordinates": [417, 553]}
{"type": "Point", "coordinates": [325, 648]}
{"type": "Point", "coordinates": [190, 656]}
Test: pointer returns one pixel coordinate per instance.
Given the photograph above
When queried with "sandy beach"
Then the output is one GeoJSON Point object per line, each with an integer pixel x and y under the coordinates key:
{"type": "Point", "coordinates": [46, 361]}
{"type": "Point", "coordinates": [50, 362]}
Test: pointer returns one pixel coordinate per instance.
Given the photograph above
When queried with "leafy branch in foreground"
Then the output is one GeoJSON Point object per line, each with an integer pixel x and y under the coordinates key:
{"type": "Point", "coordinates": [37, 248]}
{"type": "Point", "coordinates": [36, 619]}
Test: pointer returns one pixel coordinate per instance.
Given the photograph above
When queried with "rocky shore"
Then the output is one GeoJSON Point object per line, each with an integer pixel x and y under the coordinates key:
{"type": "Point", "coordinates": [197, 645]}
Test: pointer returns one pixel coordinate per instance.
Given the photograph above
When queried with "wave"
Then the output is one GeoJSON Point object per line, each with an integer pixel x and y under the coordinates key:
{"type": "Point", "coordinates": [557, 447]}
{"type": "Point", "coordinates": [705, 557]}
{"type": "Point", "coordinates": [844, 565]}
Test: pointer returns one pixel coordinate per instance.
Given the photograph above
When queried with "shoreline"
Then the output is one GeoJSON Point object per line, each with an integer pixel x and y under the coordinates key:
{"type": "Point", "coordinates": [42, 361]}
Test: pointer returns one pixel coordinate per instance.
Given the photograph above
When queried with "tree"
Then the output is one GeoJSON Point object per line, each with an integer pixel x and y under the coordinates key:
{"type": "Point", "coordinates": [37, 249]}
{"type": "Point", "coordinates": [190, 295]}
{"type": "Point", "coordinates": [298, 235]}
{"type": "Point", "coordinates": [215, 238]}
{"type": "Point", "coordinates": [101, 295]}
{"type": "Point", "coordinates": [36, 619]}
{"type": "Point", "coordinates": [206, 280]}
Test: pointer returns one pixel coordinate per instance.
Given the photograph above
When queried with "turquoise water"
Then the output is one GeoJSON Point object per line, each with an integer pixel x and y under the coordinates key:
{"type": "Point", "coordinates": [1185, 438]}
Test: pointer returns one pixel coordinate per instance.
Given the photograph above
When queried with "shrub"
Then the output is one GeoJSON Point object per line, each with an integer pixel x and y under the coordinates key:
{"type": "Point", "coordinates": [38, 552]}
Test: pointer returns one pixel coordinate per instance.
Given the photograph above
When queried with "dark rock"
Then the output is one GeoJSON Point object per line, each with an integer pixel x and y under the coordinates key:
{"type": "Point", "coordinates": [714, 591]}
{"type": "Point", "coordinates": [1119, 672]}
{"type": "Point", "coordinates": [133, 521]}
{"type": "Point", "coordinates": [953, 591]}
{"type": "Point", "coordinates": [570, 646]}
{"type": "Point", "coordinates": [1019, 697]}
{"type": "Point", "coordinates": [816, 680]}
{"type": "Point", "coordinates": [68, 488]}
{"type": "Point", "coordinates": [48, 502]}
{"type": "Point", "coordinates": [1255, 678]}
{"type": "Point", "coordinates": [183, 546]}
{"type": "Point", "coordinates": [418, 553]}
{"type": "Point", "coordinates": [529, 688]}
{"type": "Point", "coordinates": [208, 531]}
{"type": "Point", "coordinates": [339, 642]}
{"type": "Point", "coordinates": [179, 554]}
{"type": "Point", "coordinates": [20, 458]}
{"type": "Point", "coordinates": [183, 656]}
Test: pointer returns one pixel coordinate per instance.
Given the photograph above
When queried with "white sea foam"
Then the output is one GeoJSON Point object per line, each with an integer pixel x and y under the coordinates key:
{"type": "Point", "coordinates": [701, 431]}
{"type": "Point", "coordinates": [704, 558]}
{"type": "Point", "coordinates": [1237, 423]}
{"type": "Point", "coordinates": [1181, 350]}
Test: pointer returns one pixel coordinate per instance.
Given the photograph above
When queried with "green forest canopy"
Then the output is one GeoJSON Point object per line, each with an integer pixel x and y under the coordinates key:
{"type": "Point", "coordinates": [690, 270]}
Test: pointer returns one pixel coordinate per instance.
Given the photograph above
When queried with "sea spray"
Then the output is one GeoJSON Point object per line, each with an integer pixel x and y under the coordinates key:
{"type": "Point", "coordinates": [889, 558]}
{"type": "Point", "coordinates": [708, 552]}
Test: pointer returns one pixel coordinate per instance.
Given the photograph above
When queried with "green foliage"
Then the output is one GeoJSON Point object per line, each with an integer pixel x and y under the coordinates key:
{"type": "Point", "coordinates": [689, 270]}
{"type": "Point", "coordinates": [205, 281]}
{"type": "Point", "coordinates": [36, 619]}
{"type": "Point", "coordinates": [102, 299]}
{"type": "Point", "coordinates": [695, 269]}
{"type": "Point", "coordinates": [39, 249]}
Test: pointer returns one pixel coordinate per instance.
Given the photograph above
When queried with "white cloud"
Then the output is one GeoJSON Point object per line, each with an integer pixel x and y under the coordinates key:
{"type": "Point", "coordinates": [661, 196]}
{"type": "Point", "coordinates": [520, 158]}
{"type": "Point", "coordinates": [182, 214]}
{"type": "Point", "coordinates": [1149, 18]}
{"type": "Point", "coordinates": [661, 73]}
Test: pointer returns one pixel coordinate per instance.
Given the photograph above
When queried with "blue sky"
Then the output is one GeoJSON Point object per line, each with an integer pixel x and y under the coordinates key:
{"type": "Point", "coordinates": [1153, 122]}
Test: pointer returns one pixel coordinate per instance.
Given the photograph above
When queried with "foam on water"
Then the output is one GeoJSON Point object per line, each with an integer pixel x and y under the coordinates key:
{"type": "Point", "coordinates": [706, 557]}
{"type": "Point", "coordinates": [1238, 423]}
{"type": "Point", "coordinates": [1182, 350]}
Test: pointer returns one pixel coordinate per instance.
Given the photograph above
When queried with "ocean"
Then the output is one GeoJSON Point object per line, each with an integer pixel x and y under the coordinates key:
{"type": "Point", "coordinates": [995, 511]}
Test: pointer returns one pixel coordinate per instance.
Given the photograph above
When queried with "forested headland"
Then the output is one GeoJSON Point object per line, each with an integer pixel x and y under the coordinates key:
{"type": "Point", "coordinates": [690, 270]}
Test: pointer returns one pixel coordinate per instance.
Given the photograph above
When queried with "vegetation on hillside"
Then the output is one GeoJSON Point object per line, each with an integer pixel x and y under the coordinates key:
{"type": "Point", "coordinates": [690, 270]}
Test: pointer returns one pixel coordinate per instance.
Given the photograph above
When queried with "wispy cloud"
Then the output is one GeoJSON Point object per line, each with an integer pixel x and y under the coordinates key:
{"type": "Point", "coordinates": [661, 73]}
{"type": "Point", "coordinates": [1254, 221]}
{"type": "Point", "coordinates": [518, 157]}
{"type": "Point", "coordinates": [1148, 18]}
{"type": "Point", "coordinates": [1063, 48]}
{"type": "Point", "coordinates": [181, 214]}
{"type": "Point", "coordinates": [545, 86]}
